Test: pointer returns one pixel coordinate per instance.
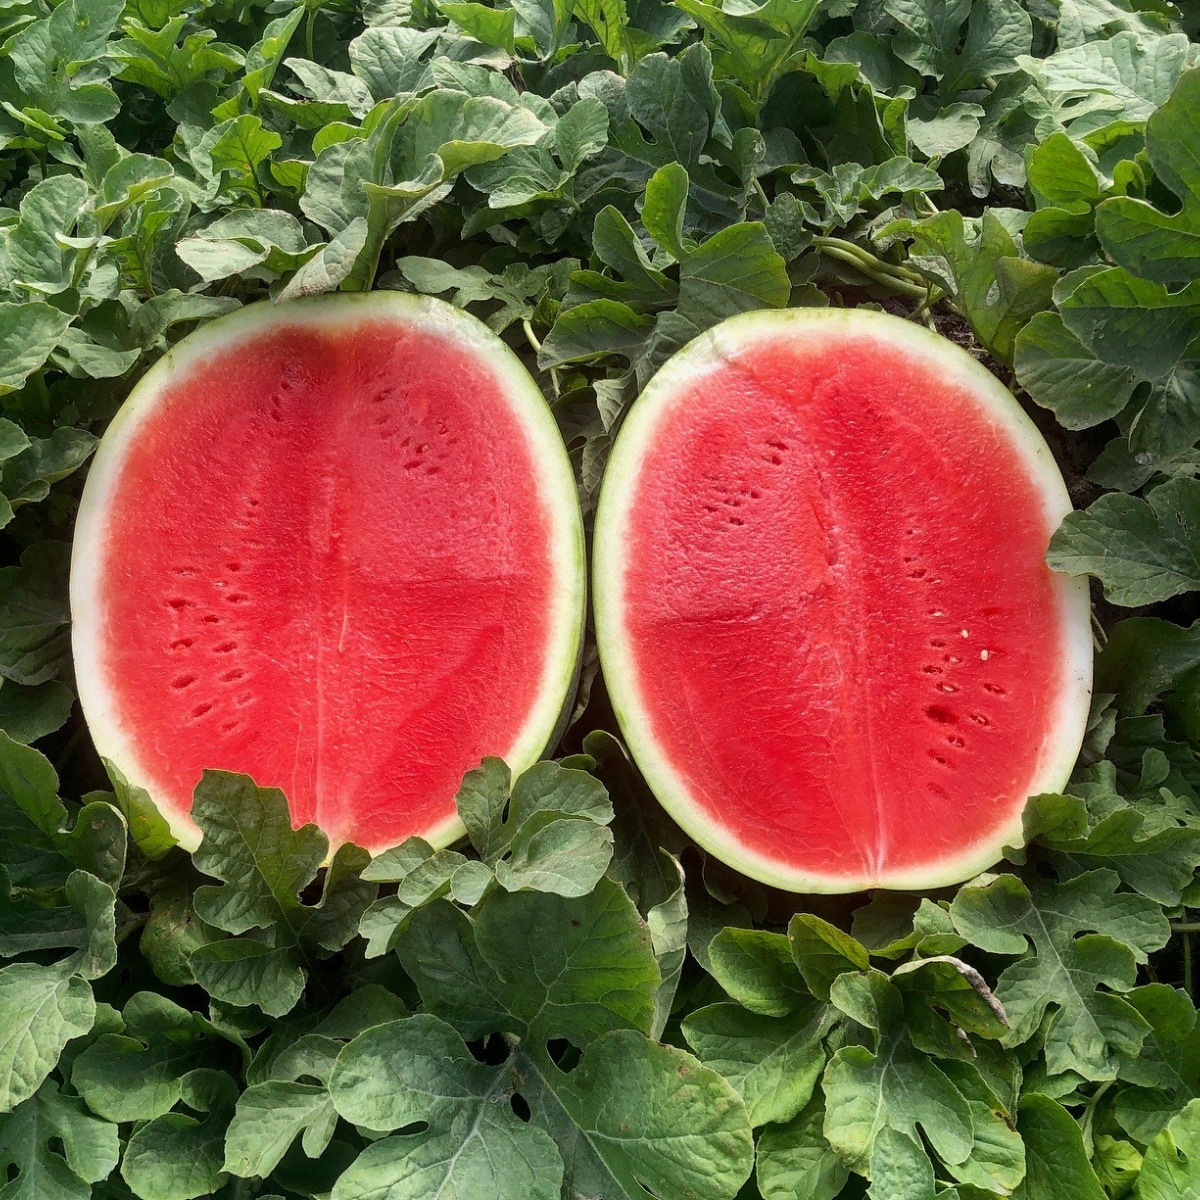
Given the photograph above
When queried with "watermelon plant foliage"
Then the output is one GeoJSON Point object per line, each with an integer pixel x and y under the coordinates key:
{"type": "Point", "coordinates": [575, 1004]}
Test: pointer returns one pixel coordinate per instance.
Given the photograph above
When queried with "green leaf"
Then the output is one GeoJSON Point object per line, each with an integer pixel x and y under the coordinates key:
{"type": "Point", "coordinates": [1133, 323]}
{"type": "Point", "coordinates": [178, 1156]}
{"type": "Point", "coordinates": [28, 333]}
{"type": "Point", "coordinates": [84, 923]}
{"type": "Point", "coordinates": [242, 241]}
{"type": "Point", "coordinates": [796, 1160]}
{"type": "Point", "coordinates": [592, 330]}
{"type": "Point", "coordinates": [616, 245]}
{"type": "Point", "coordinates": [547, 834]}
{"type": "Point", "coordinates": [636, 1116]}
{"type": "Point", "coordinates": [664, 208]}
{"type": "Point", "coordinates": [1171, 1168]}
{"type": "Point", "coordinates": [1126, 77]}
{"type": "Point", "coordinates": [27, 476]}
{"type": "Point", "coordinates": [147, 826]}
{"type": "Point", "coordinates": [1166, 1075]}
{"type": "Point", "coordinates": [757, 969]}
{"type": "Point", "coordinates": [30, 713]}
{"type": "Point", "coordinates": [823, 952]}
{"type": "Point", "coordinates": [734, 271]}
{"type": "Point", "coordinates": [1060, 373]}
{"type": "Point", "coordinates": [139, 1073]}
{"type": "Point", "coordinates": [419, 1070]}
{"type": "Point", "coordinates": [491, 26]}
{"type": "Point", "coordinates": [387, 58]}
{"type": "Point", "coordinates": [674, 101]}
{"type": "Point", "coordinates": [249, 844]}
{"type": "Point", "coordinates": [1143, 658]}
{"type": "Point", "coordinates": [1153, 854]}
{"type": "Point", "coordinates": [754, 43]}
{"type": "Point", "coordinates": [1057, 1166]}
{"type": "Point", "coordinates": [51, 1148]}
{"type": "Point", "coordinates": [1140, 550]}
{"type": "Point", "coordinates": [1142, 238]}
{"type": "Point", "coordinates": [269, 1118]}
{"type": "Point", "coordinates": [536, 964]}
{"type": "Point", "coordinates": [41, 1009]}
{"type": "Point", "coordinates": [998, 32]}
{"type": "Point", "coordinates": [773, 1063]}
{"type": "Point", "coordinates": [42, 844]}
{"type": "Point", "coordinates": [668, 924]}
{"type": "Point", "coordinates": [1057, 988]}
{"type": "Point", "coordinates": [609, 21]}
{"type": "Point", "coordinates": [981, 267]}
{"type": "Point", "coordinates": [262, 61]}
{"type": "Point", "coordinates": [581, 133]}
{"type": "Point", "coordinates": [893, 1087]}
{"type": "Point", "coordinates": [1082, 21]}
{"type": "Point", "coordinates": [51, 58]}
{"type": "Point", "coordinates": [243, 971]}
{"type": "Point", "coordinates": [38, 260]}
{"type": "Point", "coordinates": [331, 266]}
{"type": "Point", "coordinates": [238, 148]}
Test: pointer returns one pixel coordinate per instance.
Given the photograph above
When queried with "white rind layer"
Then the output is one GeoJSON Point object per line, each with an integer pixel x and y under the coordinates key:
{"type": "Point", "coordinates": [668, 388]}
{"type": "Point", "coordinates": [117, 743]}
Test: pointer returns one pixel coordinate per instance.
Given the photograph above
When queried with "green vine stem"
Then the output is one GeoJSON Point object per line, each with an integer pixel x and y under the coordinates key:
{"type": "Point", "coordinates": [893, 276]}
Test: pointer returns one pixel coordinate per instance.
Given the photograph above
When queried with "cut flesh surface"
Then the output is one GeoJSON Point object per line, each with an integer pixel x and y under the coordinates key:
{"type": "Point", "coordinates": [824, 615]}
{"type": "Point", "coordinates": [334, 545]}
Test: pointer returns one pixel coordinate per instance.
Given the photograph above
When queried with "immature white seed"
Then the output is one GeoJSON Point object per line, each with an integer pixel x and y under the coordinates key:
{"type": "Point", "coordinates": [983, 654]}
{"type": "Point", "coordinates": [964, 633]}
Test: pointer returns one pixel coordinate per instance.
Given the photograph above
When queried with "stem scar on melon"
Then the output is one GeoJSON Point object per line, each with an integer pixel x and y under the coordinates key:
{"type": "Point", "coordinates": [822, 605]}
{"type": "Point", "coordinates": [336, 545]}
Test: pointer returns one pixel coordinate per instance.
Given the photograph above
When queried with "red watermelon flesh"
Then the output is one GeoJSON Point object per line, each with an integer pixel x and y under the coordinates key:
{"type": "Point", "coordinates": [334, 546]}
{"type": "Point", "coordinates": [824, 612]}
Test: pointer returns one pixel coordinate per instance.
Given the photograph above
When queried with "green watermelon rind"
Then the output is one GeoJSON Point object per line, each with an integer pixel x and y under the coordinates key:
{"type": "Point", "coordinates": [117, 744]}
{"type": "Point", "coordinates": [610, 539]}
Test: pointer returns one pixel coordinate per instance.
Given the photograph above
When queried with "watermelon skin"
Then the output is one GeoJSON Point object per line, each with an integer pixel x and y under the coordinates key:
{"type": "Point", "coordinates": [336, 545]}
{"type": "Point", "coordinates": [822, 606]}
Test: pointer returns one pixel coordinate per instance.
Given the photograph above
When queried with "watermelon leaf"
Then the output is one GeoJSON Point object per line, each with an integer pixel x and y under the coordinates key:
{"type": "Point", "coordinates": [1056, 1161]}
{"type": "Point", "coordinates": [34, 613]}
{"type": "Point", "coordinates": [757, 969]}
{"type": "Point", "coordinates": [1171, 1169]}
{"type": "Point", "coordinates": [773, 1063]}
{"type": "Point", "coordinates": [289, 1098]}
{"type": "Point", "coordinates": [54, 1148]}
{"type": "Point", "coordinates": [419, 1069]}
{"type": "Point", "coordinates": [895, 1091]}
{"type": "Point", "coordinates": [178, 1155]}
{"type": "Point", "coordinates": [41, 1010]}
{"type": "Point", "coordinates": [1140, 550]}
{"type": "Point", "coordinates": [535, 964]}
{"type": "Point", "coordinates": [1086, 935]}
{"type": "Point", "coordinates": [693, 1136]}
{"type": "Point", "coordinates": [795, 1159]}
{"type": "Point", "coordinates": [139, 1074]}
{"type": "Point", "coordinates": [263, 865]}
{"type": "Point", "coordinates": [1140, 237]}
{"type": "Point", "coordinates": [1154, 852]}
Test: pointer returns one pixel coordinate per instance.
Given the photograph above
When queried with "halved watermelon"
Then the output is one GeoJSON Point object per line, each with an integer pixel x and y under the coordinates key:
{"type": "Point", "coordinates": [336, 545]}
{"type": "Point", "coordinates": [823, 611]}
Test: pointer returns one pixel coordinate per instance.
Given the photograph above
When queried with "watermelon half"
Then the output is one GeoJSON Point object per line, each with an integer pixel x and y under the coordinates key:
{"type": "Point", "coordinates": [822, 606]}
{"type": "Point", "coordinates": [336, 545]}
